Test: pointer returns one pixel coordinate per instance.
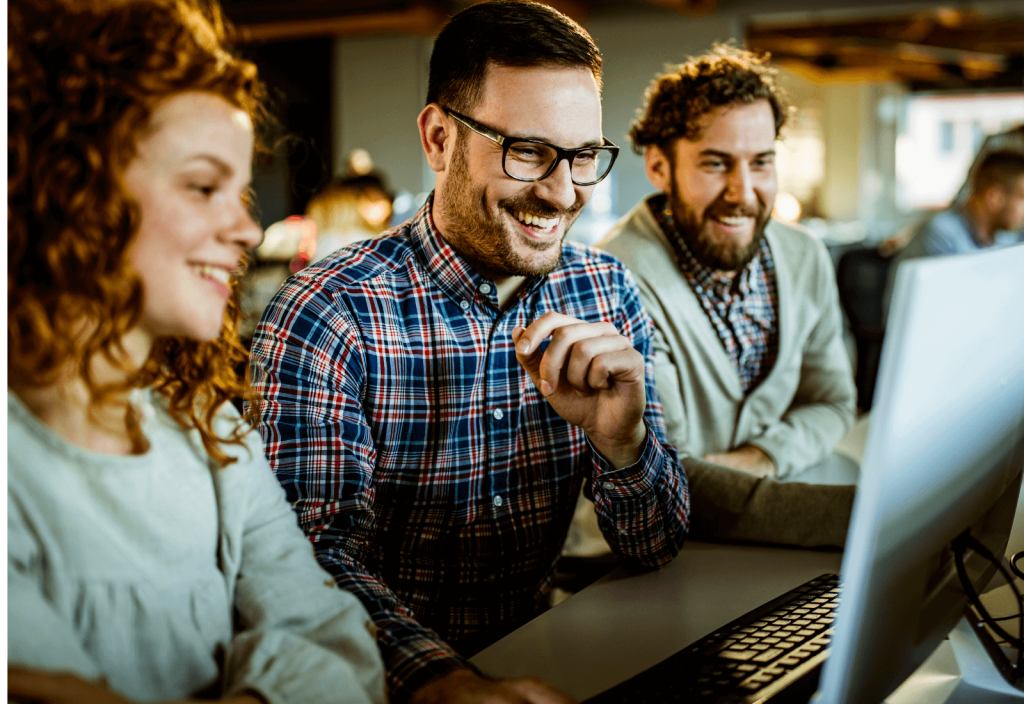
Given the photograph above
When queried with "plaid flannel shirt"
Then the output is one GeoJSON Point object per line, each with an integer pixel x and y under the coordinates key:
{"type": "Point", "coordinates": [432, 478]}
{"type": "Point", "coordinates": [743, 309]}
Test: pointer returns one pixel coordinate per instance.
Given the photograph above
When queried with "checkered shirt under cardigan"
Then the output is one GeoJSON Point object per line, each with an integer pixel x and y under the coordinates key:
{"type": "Point", "coordinates": [432, 478]}
{"type": "Point", "coordinates": [743, 310]}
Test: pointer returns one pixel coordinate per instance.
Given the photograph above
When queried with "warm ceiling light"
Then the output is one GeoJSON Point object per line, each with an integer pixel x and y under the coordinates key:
{"type": "Point", "coordinates": [949, 17]}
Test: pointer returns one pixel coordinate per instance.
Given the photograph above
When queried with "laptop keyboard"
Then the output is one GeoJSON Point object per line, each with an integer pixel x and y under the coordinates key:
{"type": "Point", "coordinates": [765, 653]}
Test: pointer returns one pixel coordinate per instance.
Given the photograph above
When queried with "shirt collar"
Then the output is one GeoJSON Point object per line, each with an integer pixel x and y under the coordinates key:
{"type": "Point", "coordinates": [448, 270]}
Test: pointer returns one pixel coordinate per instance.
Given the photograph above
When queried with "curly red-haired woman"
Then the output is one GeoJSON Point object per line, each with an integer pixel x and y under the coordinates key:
{"type": "Point", "coordinates": [151, 552]}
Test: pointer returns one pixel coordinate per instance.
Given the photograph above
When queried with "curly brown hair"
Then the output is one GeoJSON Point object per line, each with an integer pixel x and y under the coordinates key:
{"type": "Point", "coordinates": [83, 80]}
{"type": "Point", "coordinates": [676, 101]}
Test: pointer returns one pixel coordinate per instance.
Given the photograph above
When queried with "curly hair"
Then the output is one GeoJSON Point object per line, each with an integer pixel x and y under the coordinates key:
{"type": "Point", "coordinates": [676, 101]}
{"type": "Point", "coordinates": [84, 78]}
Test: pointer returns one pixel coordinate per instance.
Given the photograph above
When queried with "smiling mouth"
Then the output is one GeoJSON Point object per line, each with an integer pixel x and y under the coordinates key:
{"type": "Point", "coordinates": [733, 220]}
{"type": "Point", "coordinates": [214, 273]}
{"type": "Point", "coordinates": [536, 223]}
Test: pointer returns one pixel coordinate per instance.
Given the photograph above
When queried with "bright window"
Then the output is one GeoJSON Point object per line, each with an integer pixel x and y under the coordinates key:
{"type": "Point", "coordinates": [939, 138]}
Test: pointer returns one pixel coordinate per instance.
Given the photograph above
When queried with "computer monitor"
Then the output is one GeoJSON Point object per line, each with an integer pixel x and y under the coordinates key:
{"type": "Point", "coordinates": [944, 454]}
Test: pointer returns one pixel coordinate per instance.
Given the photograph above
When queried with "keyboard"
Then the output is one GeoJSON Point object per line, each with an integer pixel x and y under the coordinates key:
{"type": "Point", "coordinates": [773, 653]}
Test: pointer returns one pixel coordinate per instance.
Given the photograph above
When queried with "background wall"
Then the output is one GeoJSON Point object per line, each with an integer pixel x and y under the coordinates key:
{"type": "Point", "coordinates": [379, 86]}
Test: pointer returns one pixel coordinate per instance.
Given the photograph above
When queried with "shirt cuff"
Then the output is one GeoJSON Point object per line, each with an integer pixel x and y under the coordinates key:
{"type": "Point", "coordinates": [638, 477]}
{"type": "Point", "coordinates": [424, 667]}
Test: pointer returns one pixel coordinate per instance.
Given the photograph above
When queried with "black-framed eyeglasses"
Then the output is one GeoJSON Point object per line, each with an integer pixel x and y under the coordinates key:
{"type": "Point", "coordinates": [534, 160]}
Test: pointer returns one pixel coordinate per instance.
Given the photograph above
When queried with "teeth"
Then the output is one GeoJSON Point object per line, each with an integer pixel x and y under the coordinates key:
{"type": "Point", "coordinates": [734, 221]}
{"type": "Point", "coordinates": [536, 221]}
{"type": "Point", "coordinates": [212, 272]}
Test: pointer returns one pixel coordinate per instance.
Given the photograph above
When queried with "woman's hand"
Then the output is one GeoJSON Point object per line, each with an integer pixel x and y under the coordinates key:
{"type": "Point", "coordinates": [24, 685]}
{"type": "Point", "coordinates": [56, 688]}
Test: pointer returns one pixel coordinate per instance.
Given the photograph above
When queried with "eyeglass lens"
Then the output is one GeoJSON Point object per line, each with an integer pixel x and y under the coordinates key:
{"type": "Point", "coordinates": [528, 160]}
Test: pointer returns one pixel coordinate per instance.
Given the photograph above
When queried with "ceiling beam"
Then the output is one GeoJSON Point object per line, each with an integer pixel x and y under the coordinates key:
{"type": "Point", "coordinates": [690, 8]}
{"type": "Point", "coordinates": [417, 19]}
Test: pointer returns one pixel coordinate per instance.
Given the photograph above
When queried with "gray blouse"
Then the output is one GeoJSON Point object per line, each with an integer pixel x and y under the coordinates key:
{"type": "Point", "coordinates": [168, 578]}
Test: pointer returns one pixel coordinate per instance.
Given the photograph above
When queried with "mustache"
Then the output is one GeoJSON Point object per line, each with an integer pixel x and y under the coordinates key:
{"type": "Point", "coordinates": [722, 210]}
{"type": "Point", "coordinates": [538, 207]}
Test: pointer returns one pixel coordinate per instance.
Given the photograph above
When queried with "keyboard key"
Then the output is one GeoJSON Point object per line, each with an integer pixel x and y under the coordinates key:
{"type": "Point", "coordinates": [769, 655]}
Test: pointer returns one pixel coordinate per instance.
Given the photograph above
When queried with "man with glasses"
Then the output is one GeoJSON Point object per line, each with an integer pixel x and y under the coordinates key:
{"type": "Point", "coordinates": [434, 400]}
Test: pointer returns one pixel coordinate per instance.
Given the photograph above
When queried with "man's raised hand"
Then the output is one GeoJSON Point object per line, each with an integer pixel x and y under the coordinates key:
{"type": "Point", "coordinates": [593, 378]}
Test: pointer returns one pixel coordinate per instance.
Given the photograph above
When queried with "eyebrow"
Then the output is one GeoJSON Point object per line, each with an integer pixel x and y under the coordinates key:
{"type": "Point", "coordinates": [214, 161]}
{"type": "Point", "coordinates": [589, 143]}
{"type": "Point", "coordinates": [727, 155]}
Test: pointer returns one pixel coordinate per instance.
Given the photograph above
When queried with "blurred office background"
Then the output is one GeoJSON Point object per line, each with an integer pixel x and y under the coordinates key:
{"type": "Point", "coordinates": [893, 101]}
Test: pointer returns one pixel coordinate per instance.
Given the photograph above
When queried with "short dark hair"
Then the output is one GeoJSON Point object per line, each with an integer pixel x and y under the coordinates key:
{"type": "Point", "coordinates": [675, 101]}
{"type": "Point", "coordinates": [1000, 168]}
{"type": "Point", "coordinates": [514, 33]}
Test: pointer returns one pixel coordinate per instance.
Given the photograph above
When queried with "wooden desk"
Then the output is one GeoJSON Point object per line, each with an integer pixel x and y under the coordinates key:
{"type": "Point", "coordinates": [621, 625]}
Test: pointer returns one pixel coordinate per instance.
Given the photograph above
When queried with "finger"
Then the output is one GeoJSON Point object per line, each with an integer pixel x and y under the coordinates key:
{"type": "Point", "coordinates": [622, 366]}
{"type": "Point", "coordinates": [537, 691]}
{"type": "Point", "coordinates": [530, 362]}
{"type": "Point", "coordinates": [563, 341]}
{"type": "Point", "coordinates": [540, 329]}
{"type": "Point", "coordinates": [582, 361]}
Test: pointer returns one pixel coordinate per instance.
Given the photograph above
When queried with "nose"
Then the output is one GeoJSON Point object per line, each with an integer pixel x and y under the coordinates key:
{"type": "Point", "coordinates": [240, 228]}
{"type": "Point", "coordinates": [558, 188]}
{"type": "Point", "coordinates": [740, 189]}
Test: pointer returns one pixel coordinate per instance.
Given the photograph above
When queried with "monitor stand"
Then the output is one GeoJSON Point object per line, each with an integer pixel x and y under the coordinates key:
{"type": "Point", "coordinates": [981, 679]}
{"type": "Point", "coordinates": [960, 671]}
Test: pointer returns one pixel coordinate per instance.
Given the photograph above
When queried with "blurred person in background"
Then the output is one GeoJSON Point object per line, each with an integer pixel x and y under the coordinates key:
{"type": "Point", "coordinates": [1012, 140]}
{"type": "Point", "coordinates": [434, 399]}
{"type": "Point", "coordinates": [151, 554]}
{"type": "Point", "coordinates": [351, 208]}
{"type": "Point", "coordinates": [956, 237]}
{"type": "Point", "coordinates": [750, 362]}
{"type": "Point", "coordinates": [991, 216]}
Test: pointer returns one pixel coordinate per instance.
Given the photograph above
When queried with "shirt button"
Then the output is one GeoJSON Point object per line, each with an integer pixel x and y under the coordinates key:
{"type": "Point", "coordinates": [499, 414]}
{"type": "Point", "coordinates": [464, 305]}
{"type": "Point", "coordinates": [608, 485]}
{"type": "Point", "coordinates": [485, 289]}
{"type": "Point", "coordinates": [498, 501]}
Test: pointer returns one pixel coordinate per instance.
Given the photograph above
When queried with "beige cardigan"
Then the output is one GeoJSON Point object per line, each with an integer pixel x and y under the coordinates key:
{"type": "Point", "coordinates": [802, 409]}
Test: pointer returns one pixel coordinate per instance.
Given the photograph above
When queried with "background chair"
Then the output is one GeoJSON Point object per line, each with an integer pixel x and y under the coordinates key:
{"type": "Point", "coordinates": [862, 275]}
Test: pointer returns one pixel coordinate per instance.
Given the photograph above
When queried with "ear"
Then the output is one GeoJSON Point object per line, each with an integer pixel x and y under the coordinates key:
{"type": "Point", "coordinates": [437, 134]}
{"type": "Point", "coordinates": [994, 197]}
{"type": "Point", "coordinates": [659, 171]}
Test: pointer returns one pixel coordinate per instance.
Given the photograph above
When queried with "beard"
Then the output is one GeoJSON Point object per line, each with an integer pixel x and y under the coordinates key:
{"type": "Point", "coordinates": [485, 242]}
{"type": "Point", "coordinates": [695, 230]}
